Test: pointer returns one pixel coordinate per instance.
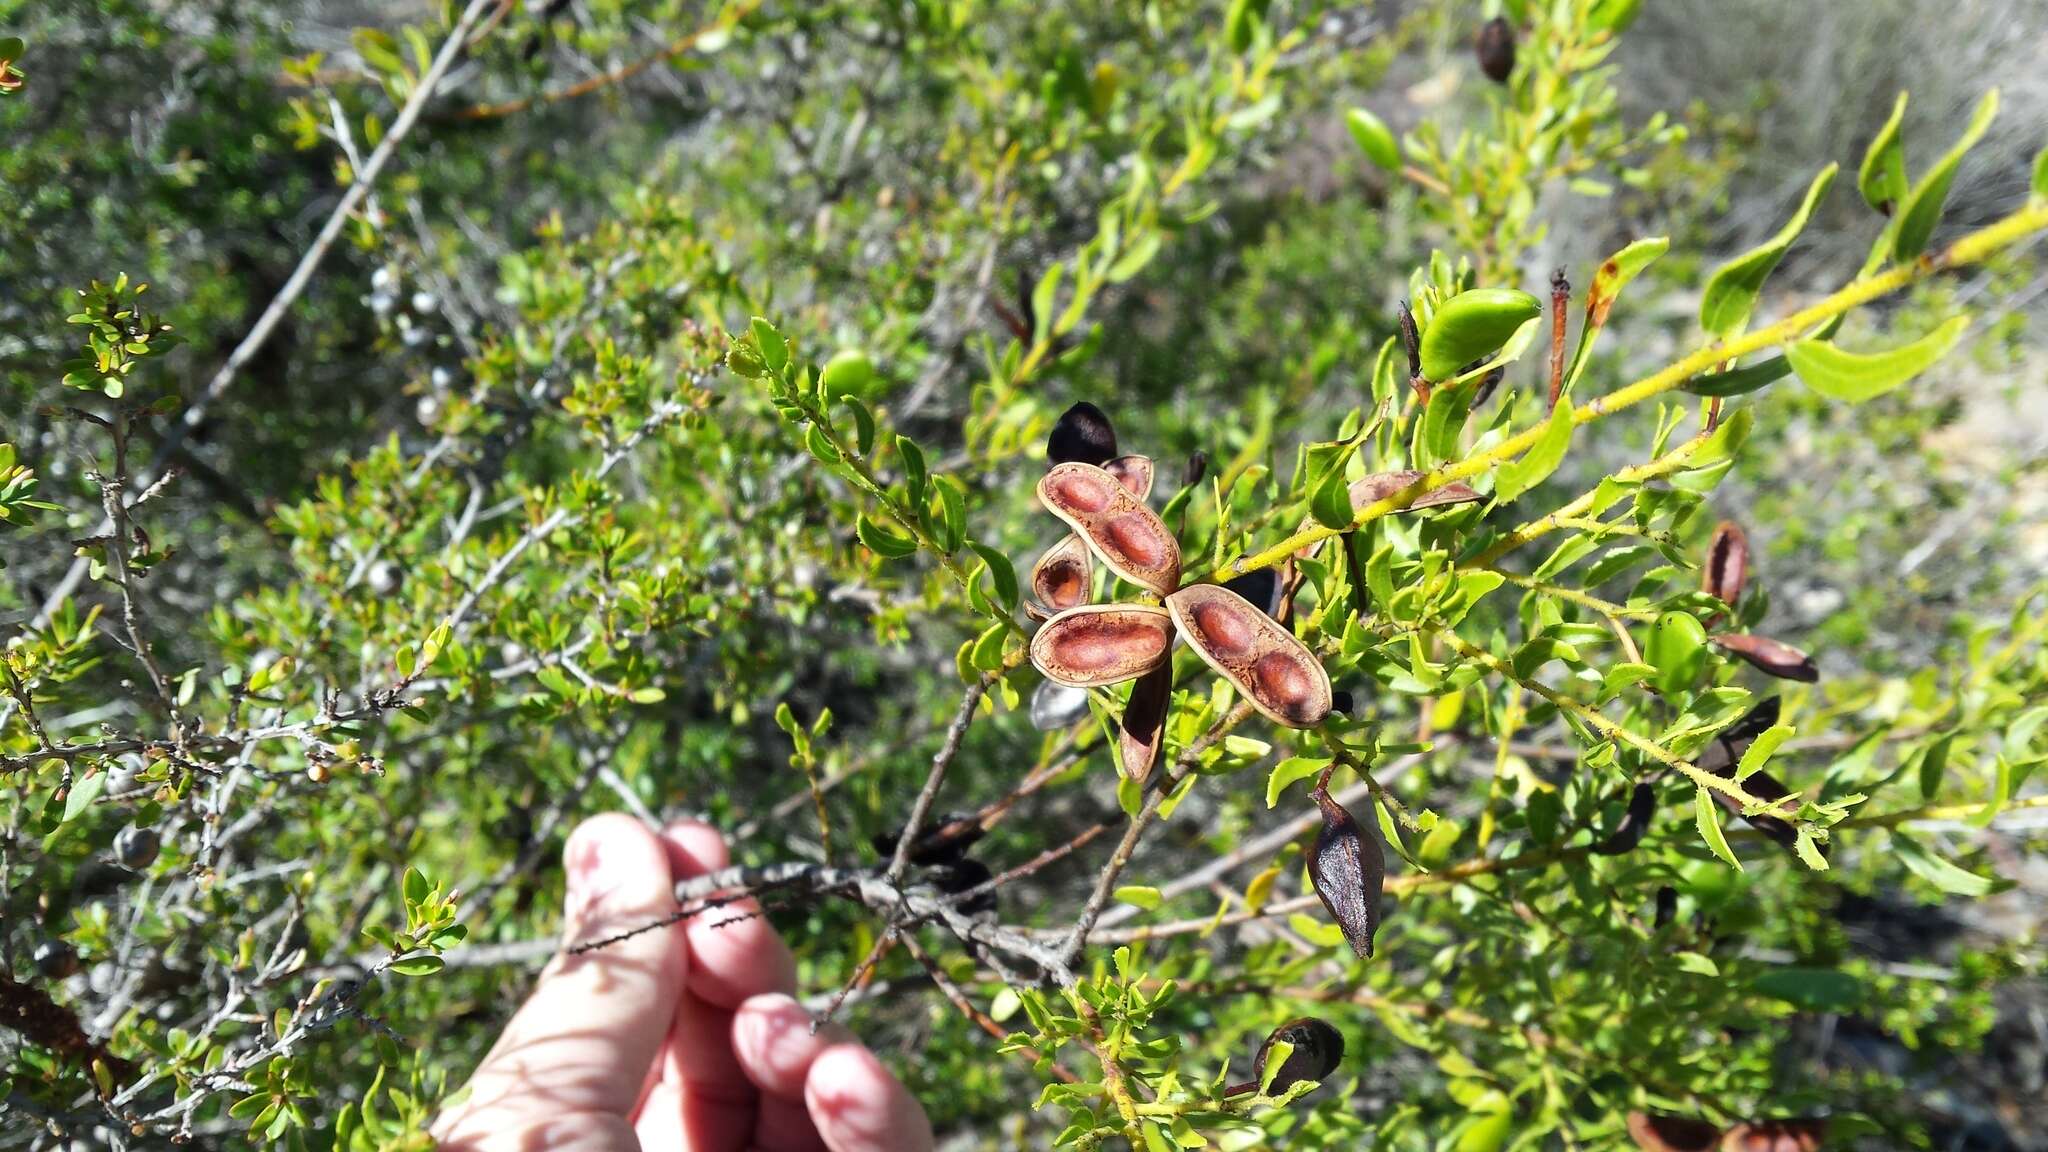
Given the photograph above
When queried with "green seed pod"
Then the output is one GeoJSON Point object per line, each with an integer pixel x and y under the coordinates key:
{"type": "Point", "coordinates": [1374, 139]}
{"type": "Point", "coordinates": [1677, 650]}
{"type": "Point", "coordinates": [848, 372]}
{"type": "Point", "coordinates": [1472, 326]}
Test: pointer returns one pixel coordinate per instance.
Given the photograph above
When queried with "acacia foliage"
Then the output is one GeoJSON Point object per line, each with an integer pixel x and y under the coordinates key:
{"type": "Point", "coordinates": [699, 476]}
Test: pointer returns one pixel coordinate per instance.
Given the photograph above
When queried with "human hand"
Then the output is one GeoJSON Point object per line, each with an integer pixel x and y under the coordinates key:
{"type": "Point", "coordinates": [682, 1039]}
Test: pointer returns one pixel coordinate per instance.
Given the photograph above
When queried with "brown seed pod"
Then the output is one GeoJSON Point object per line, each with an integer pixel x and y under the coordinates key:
{"type": "Point", "coordinates": [1642, 808]}
{"type": "Point", "coordinates": [1348, 866]}
{"type": "Point", "coordinates": [1317, 1047]}
{"type": "Point", "coordinates": [1800, 1135]}
{"type": "Point", "coordinates": [1063, 575]}
{"type": "Point", "coordinates": [1142, 728]}
{"type": "Point", "coordinates": [1495, 48]}
{"type": "Point", "coordinates": [1128, 536]}
{"type": "Point", "coordinates": [1761, 785]}
{"type": "Point", "coordinates": [1727, 565]}
{"type": "Point", "coordinates": [1098, 644]}
{"type": "Point", "coordinates": [1380, 485]}
{"type": "Point", "coordinates": [1262, 659]}
{"type": "Point", "coordinates": [1133, 472]}
{"type": "Point", "coordinates": [1197, 467]}
{"type": "Point", "coordinates": [1771, 656]}
{"type": "Point", "coordinates": [1081, 433]}
{"type": "Point", "coordinates": [1653, 1133]}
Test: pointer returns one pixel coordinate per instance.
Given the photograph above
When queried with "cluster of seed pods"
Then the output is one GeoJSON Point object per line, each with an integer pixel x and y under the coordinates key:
{"type": "Point", "coordinates": [1101, 497]}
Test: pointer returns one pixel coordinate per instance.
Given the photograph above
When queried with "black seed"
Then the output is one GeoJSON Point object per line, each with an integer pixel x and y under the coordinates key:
{"type": "Point", "coordinates": [1260, 588]}
{"type": "Point", "coordinates": [1496, 49]}
{"type": "Point", "coordinates": [136, 847]}
{"type": "Point", "coordinates": [55, 959]}
{"type": "Point", "coordinates": [1667, 905]}
{"type": "Point", "coordinates": [1341, 701]}
{"type": "Point", "coordinates": [1082, 433]}
{"type": "Point", "coordinates": [945, 842]}
{"type": "Point", "coordinates": [961, 875]}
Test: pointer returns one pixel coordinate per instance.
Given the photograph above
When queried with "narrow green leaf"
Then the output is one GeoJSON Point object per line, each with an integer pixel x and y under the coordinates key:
{"type": "Point", "coordinates": [881, 541]}
{"type": "Point", "coordinates": [1613, 275]}
{"type": "Point", "coordinates": [1374, 139]}
{"type": "Point", "coordinates": [1923, 205]}
{"type": "Point", "coordinates": [1138, 896]}
{"type": "Point", "coordinates": [1732, 290]}
{"type": "Point", "coordinates": [1854, 377]}
{"type": "Point", "coordinates": [1739, 381]}
{"type": "Point", "coordinates": [83, 792]}
{"type": "Point", "coordinates": [1882, 179]}
{"type": "Point", "coordinates": [1709, 822]}
{"type": "Point", "coordinates": [1534, 466]}
{"type": "Point", "coordinates": [1001, 573]}
{"type": "Point", "coordinates": [1759, 752]}
{"type": "Point", "coordinates": [1923, 862]}
{"type": "Point", "coordinates": [1291, 770]}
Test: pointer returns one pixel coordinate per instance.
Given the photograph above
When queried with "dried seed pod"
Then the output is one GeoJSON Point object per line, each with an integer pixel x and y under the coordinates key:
{"type": "Point", "coordinates": [1380, 485]}
{"type": "Point", "coordinates": [1098, 644]}
{"type": "Point", "coordinates": [1128, 536]}
{"type": "Point", "coordinates": [1317, 1050]}
{"type": "Point", "coordinates": [1056, 706]}
{"type": "Point", "coordinates": [54, 959]}
{"type": "Point", "coordinates": [1133, 472]}
{"type": "Point", "coordinates": [945, 842]}
{"type": "Point", "coordinates": [1267, 665]}
{"type": "Point", "coordinates": [1800, 1135]}
{"type": "Point", "coordinates": [1260, 589]}
{"type": "Point", "coordinates": [1642, 808]}
{"type": "Point", "coordinates": [1348, 866]}
{"type": "Point", "coordinates": [1727, 565]}
{"type": "Point", "coordinates": [1667, 906]}
{"type": "Point", "coordinates": [1081, 433]}
{"type": "Point", "coordinates": [1197, 467]}
{"type": "Point", "coordinates": [1495, 48]}
{"type": "Point", "coordinates": [960, 876]}
{"type": "Point", "coordinates": [1063, 575]}
{"type": "Point", "coordinates": [137, 847]}
{"type": "Point", "coordinates": [1653, 1133]}
{"type": "Point", "coordinates": [1142, 729]}
{"type": "Point", "coordinates": [1771, 656]}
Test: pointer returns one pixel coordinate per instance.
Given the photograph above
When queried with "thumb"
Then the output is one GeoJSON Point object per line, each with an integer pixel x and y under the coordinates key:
{"type": "Point", "coordinates": [576, 1056]}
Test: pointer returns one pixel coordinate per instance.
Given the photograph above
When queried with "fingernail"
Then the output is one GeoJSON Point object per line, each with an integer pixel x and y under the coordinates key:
{"type": "Point", "coordinates": [595, 871]}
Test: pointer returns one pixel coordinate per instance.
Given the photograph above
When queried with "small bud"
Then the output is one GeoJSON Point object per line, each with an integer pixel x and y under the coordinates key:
{"type": "Point", "coordinates": [1496, 49]}
{"type": "Point", "coordinates": [55, 959]}
{"type": "Point", "coordinates": [1082, 433]}
{"type": "Point", "coordinates": [136, 847]}
{"type": "Point", "coordinates": [317, 772]}
{"type": "Point", "coordinates": [1197, 467]}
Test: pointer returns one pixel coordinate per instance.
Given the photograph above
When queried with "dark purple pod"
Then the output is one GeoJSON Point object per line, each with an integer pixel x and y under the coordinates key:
{"type": "Point", "coordinates": [1727, 567]}
{"type": "Point", "coordinates": [1348, 866]}
{"type": "Point", "coordinates": [1142, 729]}
{"type": "Point", "coordinates": [1654, 1133]}
{"type": "Point", "coordinates": [1642, 808]}
{"type": "Point", "coordinates": [1372, 489]}
{"type": "Point", "coordinates": [1495, 47]}
{"type": "Point", "coordinates": [946, 842]}
{"type": "Point", "coordinates": [1770, 656]}
{"type": "Point", "coordinates": [1197, 467]}
{"type": "Point", "coordinates": [1081, 433]}
{"type": "Point", "coordinates": [1805, 1134]}
{"type": "Point", "coordinates": [1317, 1050]}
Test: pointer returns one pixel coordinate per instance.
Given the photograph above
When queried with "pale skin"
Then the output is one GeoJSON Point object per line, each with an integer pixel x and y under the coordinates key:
{"type": "Point", "coordinates": [685, 1039]}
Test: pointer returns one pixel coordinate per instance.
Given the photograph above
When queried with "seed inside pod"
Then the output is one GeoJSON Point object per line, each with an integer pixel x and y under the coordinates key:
{"type": "Point", "coordinates": [1771, 656]}
{"type": "Point", "coordinates": [1142, 729]}
{"type": "Point", "coordinates": [1727, 565]}
{"type": "Point", "coordinates": [1495, 48]}
{"type": "Point", "coordinates": [1133, 472]}
{"type": "Point", "coordinates": [1125, 534]}
{"type": "Point", "coordinates": [1348, 866]}
{"type": "Point", "coordinates": [1642, 807]}
{"type": "Point", "coordinates": [1061, 577]}
{"type": "Point", "coordinates": [1316, 1049]}
{"type": "Point", "coordinates": [1098, 644]}
{"type": "Point", "coordinates": [1653, 1133]}
{"type": "Point", "coordinates": [1802, 1135]}
{"type": "Point", "coordinates": [1261, 659]}
{"type": "Point", "coordinates": [1081, 433]}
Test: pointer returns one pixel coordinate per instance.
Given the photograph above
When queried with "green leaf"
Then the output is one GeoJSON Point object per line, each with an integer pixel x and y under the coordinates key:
{"type": "Point", "coordinates": [1613, 275]}
{"type": "Point", "coordinates": [1709, 822]}
{"type": "Point", "coordinates": [1472, 325]}
{"type": "Point", "coordinates": [83, 792]}
{"type": "Point", "coordinates": [1696, 963]}
{"type": "Point", "coordinates": [1817, 989]}
{"type": "Point", "coordinates": [1882, 179]}
{"type": "Point", "coordinates": [1936, 870]}
{"type": "Point", "coordinates": [774, 349]}
{"type": "Point", "coordinates": [1290, 770]}
{"type": "Point", "coordinates": [1001, 573]}
{"type": "Point", "coordinates": [414, 886]}
{"type": "Point", "coordinates": [1532, 467]}
{"type": "Point", "coordinates": [881, 541]}
{"type": "Point", "coordinates": [1374, 139]}
{"type": "Point", "coordinates": [2040, 181]}
{"type": "Point", "coordinates": [1276, 1059]}
{"type": "Point", "coordinates": [1808, 851]}
{"type": "Point", "coordinates": [1854, 377]}
{"type": "Point", "coordinates": [1923, 205]}
{"type": "Point", "coordinates": [418, 965]}
{"type": "Point", "coordinates": [1732, 290]}
{"type": "Point", "coordinates": [1138, 896]}
{"type": "Point", "coordinates": [1739, 381]}
{"type": "Point", "coordinates": [1759, 752]}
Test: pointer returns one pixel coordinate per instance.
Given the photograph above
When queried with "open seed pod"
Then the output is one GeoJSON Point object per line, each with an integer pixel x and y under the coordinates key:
{"type": "Point", "coordinates": [1771, 656]}
{"type": "Point", "coordinates": [1063, 575]}
{"type": "Point", "coordinates": [1317, 1050]}
{"type": "Point", "coordinates": [1134, 473]}
{"type": "Point", "coordinates": [1348, 866]}
{"type": "Point", "coordinates": [1380, 485]}
{"type": "Point", "coordinates": [1642, 808]}
{"type": "Point", "coordinates": [1727, 565]}
{"type": "Point", "coordinates": [1081, 433]}
{"type": "Point", "coordinates": [1261, 659]}
{"type": "Point", "coordinates": [1128, 536]}
{"type": "Point", "coordinates": [1142, 729]}
{"type": "Point", "coordinates": [1099, 644]}
{"type": "Point", "coordinates": [1800, 1135]}
{"type": "Point", "coordinates": [1653, 1133]}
